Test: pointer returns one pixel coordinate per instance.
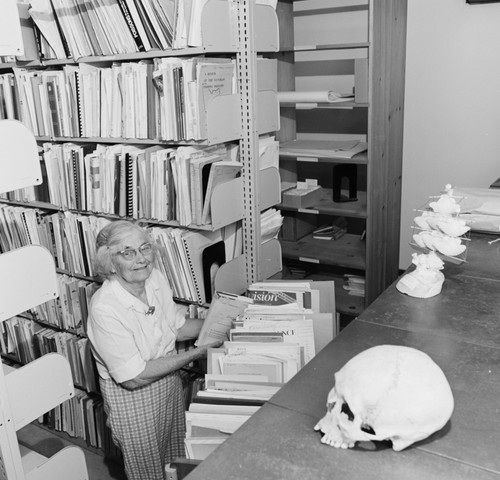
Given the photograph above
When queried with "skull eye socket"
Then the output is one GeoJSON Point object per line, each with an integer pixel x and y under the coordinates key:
{"type": "Point", "coordinates": [345, 409]}
{"type": "Point", "coordinates": [367, 429]}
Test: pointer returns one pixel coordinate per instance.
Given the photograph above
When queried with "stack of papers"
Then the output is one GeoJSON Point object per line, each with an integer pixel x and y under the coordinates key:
{"type": "Point", "coordinates": [355, 285]}
{"type": "Point", "coordinates": [270, 224]}
{"type": "Point", "coordinates": [323, 148]}
{"type": "Point", "coordinates": [208, 425]}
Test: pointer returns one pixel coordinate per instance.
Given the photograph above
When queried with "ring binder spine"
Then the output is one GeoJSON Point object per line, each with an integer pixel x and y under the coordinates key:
{"type": "Point", "coordinates": [79, 104]}
{"type": "Point", "coordinates": [199, 296]}
{"type": "Point", "coordinates": [129, 179]}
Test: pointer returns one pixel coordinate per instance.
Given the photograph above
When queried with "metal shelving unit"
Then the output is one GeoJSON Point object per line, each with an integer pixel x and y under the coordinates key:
{"type": "Point", "coordinates": [373, 53]}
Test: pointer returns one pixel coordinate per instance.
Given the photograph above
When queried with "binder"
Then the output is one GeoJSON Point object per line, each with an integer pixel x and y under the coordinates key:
{"type": "Point", "coordinates": [199, 169]}
{"type": "Point", "coordinates": [131, 23]}
{"type": "Point", "coordinates": [205, 252]}
{"type": "Point", "coordinates": [149, 28]}
{"type": "Point", "coordinates": [77, 186]}
{"type": "Point", "coordinates": [36, 82]}
{"type": "Point", "coordinates": [130, 182]}
{"type": "Point", "coordinates": [78, 101]}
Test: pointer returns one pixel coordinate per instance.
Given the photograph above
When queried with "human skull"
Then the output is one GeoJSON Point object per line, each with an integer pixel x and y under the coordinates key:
{"type": "Point", "coordinates": [387, 392]}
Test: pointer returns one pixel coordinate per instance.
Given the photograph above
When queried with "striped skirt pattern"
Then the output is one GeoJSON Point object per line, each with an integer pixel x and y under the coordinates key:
{"type": "Point", "coordinates": [147, 424]}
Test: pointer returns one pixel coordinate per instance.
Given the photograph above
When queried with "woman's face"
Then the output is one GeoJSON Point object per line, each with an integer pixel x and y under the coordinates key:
{"type": "Point", "coordinates": [137, 269]}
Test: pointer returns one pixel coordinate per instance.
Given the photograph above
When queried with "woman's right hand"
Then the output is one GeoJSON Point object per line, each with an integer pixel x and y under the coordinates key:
{"type": "Point", "coordinates": [202, 350]}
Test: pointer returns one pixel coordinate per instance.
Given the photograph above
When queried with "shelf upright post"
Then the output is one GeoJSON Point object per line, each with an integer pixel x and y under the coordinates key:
{"type": "Point", "coordinates": [10, 458]}
{"type": "Point", "coordinates": [249, 144]}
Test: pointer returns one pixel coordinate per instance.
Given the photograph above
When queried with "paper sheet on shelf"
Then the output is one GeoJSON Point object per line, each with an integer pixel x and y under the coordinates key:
{"type": "Point", "coordinates": [480, 208]}
{"type": "Point", "coordinates": [323, 96]}
{"type": "Point", "coordinates": [325, 148]}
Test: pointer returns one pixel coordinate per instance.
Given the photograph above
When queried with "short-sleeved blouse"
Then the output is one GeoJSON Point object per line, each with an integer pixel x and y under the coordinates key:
{"type": "Point", "coordinates": [124, 336]}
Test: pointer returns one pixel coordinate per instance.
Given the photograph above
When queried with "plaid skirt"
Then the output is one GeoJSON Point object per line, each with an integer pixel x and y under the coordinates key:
{"type": "Point", "coordinates": [147, 424]}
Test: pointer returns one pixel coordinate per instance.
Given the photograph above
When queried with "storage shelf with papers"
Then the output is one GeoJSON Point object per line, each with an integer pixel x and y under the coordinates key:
{"type": "Point", "coordinates": [215, 29]}
{"type": "Point", "coordinates": [349, 48]}
{"type": "Point", "coordinates": [222, 212]}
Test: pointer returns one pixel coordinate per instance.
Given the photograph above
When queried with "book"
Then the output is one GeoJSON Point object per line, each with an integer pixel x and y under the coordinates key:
{"type": "Point", "coordinates": [29, 42]}
{"type": "Point", "coordinates": [205, 253]}
{"type": "Point", "coordinates": [224, 308]}
{"type": "Point", "coordinates": [54, 108]}
{"type": "Point", "coordinates": [36, 84]}
{"type": "Point", "coordinates": [130, 185]}
{"type": "Point", "coordinates": [146, 18]}
{"type": "Point", "coordinates": [48, 24]}
{"type": "Point", "coordinates": [333, 231]}
{"type": "Point", "coordinates": [214, 78]}
{"type": "Point", "coordinates": [131, 15]}
{"type": "Point", "coordinates": [277, 294]}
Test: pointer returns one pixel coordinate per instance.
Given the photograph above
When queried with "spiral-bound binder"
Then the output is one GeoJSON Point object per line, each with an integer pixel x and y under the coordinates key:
{"type": "Point", "coordinates": [79, 104]}
{"type": "Point", "coordinates": [205, 253]}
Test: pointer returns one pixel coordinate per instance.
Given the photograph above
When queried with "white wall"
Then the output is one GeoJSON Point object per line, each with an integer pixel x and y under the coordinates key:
{"type": "Point", "coordinates": [452, 102]}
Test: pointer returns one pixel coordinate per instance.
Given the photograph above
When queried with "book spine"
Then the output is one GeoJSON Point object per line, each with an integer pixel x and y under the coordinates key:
{"type": "Point", "coordinates": [64, 40]}
{"type": "Point", "coordinates": [16, 106]}
{"type": "Point", "coordinates": [77, 201]}
{"type": "Point", "coordinates": [54, 113]}
{"type": "Point", "coordinates": [131, 25]}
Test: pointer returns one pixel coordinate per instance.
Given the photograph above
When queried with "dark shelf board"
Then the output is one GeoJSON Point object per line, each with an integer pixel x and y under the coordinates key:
{"type": "Point", "coordinates": [348, 251]}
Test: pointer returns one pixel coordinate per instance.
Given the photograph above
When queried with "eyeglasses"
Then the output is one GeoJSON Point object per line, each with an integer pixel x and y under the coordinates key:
{"type": "Point", "coordinates": [131, 253]}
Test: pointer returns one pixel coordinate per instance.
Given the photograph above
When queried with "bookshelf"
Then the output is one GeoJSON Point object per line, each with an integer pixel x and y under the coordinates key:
{"type": "Point", "coordinates": [230, 30]}
{"type": "Point", "coordinates": [27, 279]}
{"type": "Point", "coordinates": [347, 47]}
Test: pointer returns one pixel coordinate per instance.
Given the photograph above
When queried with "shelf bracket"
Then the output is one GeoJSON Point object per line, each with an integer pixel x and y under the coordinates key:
{"type": "Point", "coordinates": [249, 147]}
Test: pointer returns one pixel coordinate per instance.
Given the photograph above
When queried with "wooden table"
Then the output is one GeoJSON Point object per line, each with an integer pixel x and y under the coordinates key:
{"type": "Point", "coordinates": [459, 329]}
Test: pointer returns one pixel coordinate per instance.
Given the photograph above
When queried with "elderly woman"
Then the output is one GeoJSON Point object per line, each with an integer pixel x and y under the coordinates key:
{"type": "Point", "coordinates": [133, 326]}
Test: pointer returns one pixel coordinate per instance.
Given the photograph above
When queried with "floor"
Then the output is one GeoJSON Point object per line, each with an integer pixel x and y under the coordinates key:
{"type": "Point", "coordinates": [47, 443]}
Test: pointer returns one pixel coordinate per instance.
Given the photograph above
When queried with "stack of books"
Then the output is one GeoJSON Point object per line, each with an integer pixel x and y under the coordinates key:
{"type": "Point", "coordinates": [355, 285]}
{"type": "Point", "coordinates": [333, 231]}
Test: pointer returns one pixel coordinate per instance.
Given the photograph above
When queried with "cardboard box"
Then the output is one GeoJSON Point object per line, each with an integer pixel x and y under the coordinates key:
{"type": "Point", "coordinates": [302, 197]}
{"type": "Point", "coordinates": [297, 226]}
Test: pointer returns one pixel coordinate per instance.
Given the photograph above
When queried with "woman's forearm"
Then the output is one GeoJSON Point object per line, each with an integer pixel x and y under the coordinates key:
{"type": "Point", "coordinates": [160, 367]}
{"type": "Point", "coordinates": [190, 329]}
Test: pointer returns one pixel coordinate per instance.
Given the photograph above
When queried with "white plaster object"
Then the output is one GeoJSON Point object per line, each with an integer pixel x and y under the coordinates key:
{"type": "Point", "coordinates": [387, 392]}
{"type": "Point", "coordinates": [453, 227]}
{"type": "Point", "coordinates": [446, 204]}
{"type": "Point", "coordinates": [440, 242]}
{"type": "Point", "coordinates": [426, 280]}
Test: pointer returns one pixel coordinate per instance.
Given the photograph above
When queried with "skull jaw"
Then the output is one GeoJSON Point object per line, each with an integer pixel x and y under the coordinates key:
{"type": "Point", "coordinates": [332, 434]}
{"type": "Point", "coordinates": [334, 437]}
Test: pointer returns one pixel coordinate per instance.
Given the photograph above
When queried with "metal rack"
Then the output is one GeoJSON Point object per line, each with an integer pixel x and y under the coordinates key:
{"type": "Point", "coordinates": [27, 279]}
